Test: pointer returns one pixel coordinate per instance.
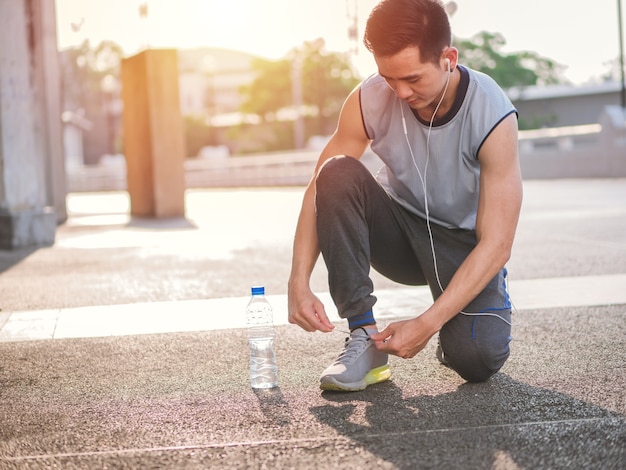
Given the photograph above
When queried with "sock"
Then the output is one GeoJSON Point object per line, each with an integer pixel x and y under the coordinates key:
{"type": "Point", "coordinates": [359, 321]}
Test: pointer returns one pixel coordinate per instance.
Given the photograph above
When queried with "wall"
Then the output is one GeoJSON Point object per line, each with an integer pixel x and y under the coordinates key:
{"type": "Point", "coordinates": [589, 151]}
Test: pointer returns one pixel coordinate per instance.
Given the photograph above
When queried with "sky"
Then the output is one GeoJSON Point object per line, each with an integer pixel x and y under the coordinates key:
{"type": "Point", "coordinates": [580, 35]}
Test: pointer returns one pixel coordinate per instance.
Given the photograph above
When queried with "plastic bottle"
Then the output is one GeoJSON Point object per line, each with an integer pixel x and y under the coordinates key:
{"type": "Point", "coordinates": [260, 323]}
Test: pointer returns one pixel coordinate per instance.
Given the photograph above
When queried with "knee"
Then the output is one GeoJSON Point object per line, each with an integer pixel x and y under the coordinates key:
{"type": "Point", "coordinates": [476, 358]}
{"type": "Point", "coordinates": [337, 171]}
{"type": "Point", "coordinates": [476, 364]}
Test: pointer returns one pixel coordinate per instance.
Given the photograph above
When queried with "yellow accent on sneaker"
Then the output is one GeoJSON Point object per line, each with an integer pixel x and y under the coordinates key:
{"type": "Point", "coordinates": [379, 374]}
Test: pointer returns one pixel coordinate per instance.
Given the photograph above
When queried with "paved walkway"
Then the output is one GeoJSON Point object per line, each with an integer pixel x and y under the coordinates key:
{"type": "Point", "coordinates": [219, 224]}
{"type": "Point", "coordinates": [121, 347]}
{"type": "Point", "coordinates": [192, 315]}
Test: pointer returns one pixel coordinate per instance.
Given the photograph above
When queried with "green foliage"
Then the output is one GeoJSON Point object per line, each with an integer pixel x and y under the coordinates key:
{"type": "Point", "coordinates": [271, 89]}
{"type": "Point", "coordinates": [483, 52]}
{"type": "Point", "coordinates": [537, 121]}
{"type": "Point", "coordinates": [326, 80]}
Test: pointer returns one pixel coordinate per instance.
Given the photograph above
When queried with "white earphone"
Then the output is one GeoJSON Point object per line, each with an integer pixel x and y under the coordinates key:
{"type": "Point", "coordinates": [422, 177]}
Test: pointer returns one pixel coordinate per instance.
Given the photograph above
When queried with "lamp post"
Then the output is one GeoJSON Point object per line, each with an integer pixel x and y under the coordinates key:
{"type": "Point", "coordinates": [296, 93]}
{"type": "Point", "coordinates": [144, 14]}
{"type": "Point", "coordinates": [353, 27]}
{"type": "Point", "coordinates": [621, 53]}
{"type": "Point", "coordinates": [209, 104]}
{"type": "Point", "coordinates": [109, 87]}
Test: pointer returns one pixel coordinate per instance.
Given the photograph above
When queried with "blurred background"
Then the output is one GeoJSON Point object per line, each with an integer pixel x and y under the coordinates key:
{"type": "Point", "coordinates": [260, 76]}
{"type": "Point", "coordinates": [251, 91]}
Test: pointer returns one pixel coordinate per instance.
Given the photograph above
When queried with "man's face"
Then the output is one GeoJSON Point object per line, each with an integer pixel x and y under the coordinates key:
{"type": "Point", "coordinates": [419, 84]}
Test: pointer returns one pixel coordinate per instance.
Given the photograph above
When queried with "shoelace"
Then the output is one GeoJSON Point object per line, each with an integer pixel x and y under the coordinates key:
{"type": "Point", "coordinates": [354, 347]}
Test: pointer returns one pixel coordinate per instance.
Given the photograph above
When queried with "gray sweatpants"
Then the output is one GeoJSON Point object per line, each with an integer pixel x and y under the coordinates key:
{"type": "Point", "coordinates": [359, 226]}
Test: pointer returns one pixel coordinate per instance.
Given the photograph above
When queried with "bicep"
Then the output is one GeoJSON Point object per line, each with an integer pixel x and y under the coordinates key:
{"type": "Point", "coordinates": [349, 137]}
{"type": "Point", "coordinates": [500, 183]}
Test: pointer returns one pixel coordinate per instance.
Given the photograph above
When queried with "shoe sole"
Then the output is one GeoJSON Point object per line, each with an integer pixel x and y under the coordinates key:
{"type": "Point", "coordinates": [374, 376]}
{"type": "Point", "coordinates": [441, 357]}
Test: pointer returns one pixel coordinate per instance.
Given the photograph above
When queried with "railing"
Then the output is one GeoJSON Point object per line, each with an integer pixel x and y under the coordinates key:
{"type": "Point", "coordinates": [595, 150]}
{"type": "Point", "coordinates": [561, 138]}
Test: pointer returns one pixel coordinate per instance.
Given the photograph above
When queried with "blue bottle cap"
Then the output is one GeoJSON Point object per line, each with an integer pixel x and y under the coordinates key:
{"type": "Point", "coordinates": [258, 290]}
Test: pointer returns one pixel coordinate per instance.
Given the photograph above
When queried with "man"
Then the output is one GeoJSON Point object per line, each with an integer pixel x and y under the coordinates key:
{"type": "Point", "coordinates": [442, 211]}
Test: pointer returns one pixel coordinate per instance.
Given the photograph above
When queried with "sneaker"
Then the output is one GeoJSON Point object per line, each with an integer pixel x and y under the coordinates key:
{"type": "Point", "coordinates": [441, 357]}
{"type": "Point", "coordinates": [360, 364]}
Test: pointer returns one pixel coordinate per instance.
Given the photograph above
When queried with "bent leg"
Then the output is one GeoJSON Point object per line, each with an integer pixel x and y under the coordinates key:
{"type": "Point", "coordinates": [476, 347]}
{"type": "Point", "coordinates": [358, 224]}
{"type": "Point", "coordinates": [475, 343]}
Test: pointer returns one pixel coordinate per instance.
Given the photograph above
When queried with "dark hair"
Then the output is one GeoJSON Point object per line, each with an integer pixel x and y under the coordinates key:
{"type": "Point", "coordinates": [394, 25]}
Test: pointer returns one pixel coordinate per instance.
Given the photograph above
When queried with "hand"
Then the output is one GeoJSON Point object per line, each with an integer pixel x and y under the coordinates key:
{"type": "Point", "coordinates": [307, 311]}
{"type": "Point", "coordinates": [404, 338]}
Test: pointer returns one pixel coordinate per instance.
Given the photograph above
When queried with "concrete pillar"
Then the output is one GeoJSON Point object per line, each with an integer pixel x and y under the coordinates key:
{"type": "Point", "coordinates": [49, 78]}
{"type": "Point", "coordinates": [153, 134]}
{"type": "Point", "coordinates": [30, 182]}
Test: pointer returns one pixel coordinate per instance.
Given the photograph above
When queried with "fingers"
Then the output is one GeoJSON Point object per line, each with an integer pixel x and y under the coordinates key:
{"type": "Point", "coordinates": [383, 340]}
{"type": "Point", "coordinates": [392, 341]}
{"type": "Point", "coordinates": [384, 336]}
{"type": "Point", "coordinates": [324, 323]}
{"type": "Point", "coordinates": [311, 317]}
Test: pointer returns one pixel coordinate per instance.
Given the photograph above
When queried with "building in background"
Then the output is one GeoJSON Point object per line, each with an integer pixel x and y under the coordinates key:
{"type": "Point", "coordinates": [563, 105]}
{"type": "Point", "coordinates": [210, 80]}
{"type": "Point", "coordinates": [210, 96]}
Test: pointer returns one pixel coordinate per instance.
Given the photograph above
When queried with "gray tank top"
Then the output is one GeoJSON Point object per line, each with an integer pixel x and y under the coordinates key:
{"type": "Point", "coordinates": [453, 176]}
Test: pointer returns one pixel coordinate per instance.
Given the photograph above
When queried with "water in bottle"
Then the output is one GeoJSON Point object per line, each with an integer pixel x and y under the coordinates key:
{"type": "Point", "coordinates": [260, 323]}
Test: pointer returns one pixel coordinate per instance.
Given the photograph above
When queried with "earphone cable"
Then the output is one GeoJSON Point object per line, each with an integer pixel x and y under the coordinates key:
{"type": "Point", "coordinates": [424, 185]}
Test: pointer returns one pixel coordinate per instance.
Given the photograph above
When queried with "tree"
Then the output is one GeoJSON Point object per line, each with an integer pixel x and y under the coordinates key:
{"type": "Point", "coordinates": [327, 78]}
{"type": "Point", "coordinates": [483, 52]}
{"type": "Point", "coordinates": [84, 67]}
{"type": "Point", "coordinates": [270, 90]}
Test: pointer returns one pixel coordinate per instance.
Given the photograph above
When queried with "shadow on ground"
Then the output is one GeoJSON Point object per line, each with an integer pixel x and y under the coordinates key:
{"type": "Point", "coordinates": [184, 400]}
{"type": "Point", "coordinates": [10, 258]}
{"type": "Point", "coordinates": [503, 423]}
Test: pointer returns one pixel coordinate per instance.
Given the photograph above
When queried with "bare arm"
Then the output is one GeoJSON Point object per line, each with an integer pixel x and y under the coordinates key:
{"type": "Point", "coordinates": [499, 206]}
{"type": "Point", "coordinates": [350, 138]}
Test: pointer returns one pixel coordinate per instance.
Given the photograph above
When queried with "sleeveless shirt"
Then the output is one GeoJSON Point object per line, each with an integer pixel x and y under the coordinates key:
{"type": "Point", "coordinates": [452, 177]}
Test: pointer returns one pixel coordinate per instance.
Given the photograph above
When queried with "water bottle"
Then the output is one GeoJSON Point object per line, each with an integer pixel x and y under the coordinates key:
{"type": "Point", "coordinates": [260, 322]}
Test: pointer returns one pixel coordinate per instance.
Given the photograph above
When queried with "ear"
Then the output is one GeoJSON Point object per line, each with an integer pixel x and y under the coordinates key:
{"type": "Point", "coordinates": [451, 58]}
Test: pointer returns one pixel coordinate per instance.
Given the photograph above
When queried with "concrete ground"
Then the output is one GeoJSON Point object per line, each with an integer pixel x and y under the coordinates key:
{"type": "Point", "coordinates": [122, 347]}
